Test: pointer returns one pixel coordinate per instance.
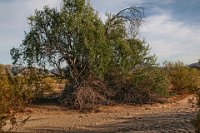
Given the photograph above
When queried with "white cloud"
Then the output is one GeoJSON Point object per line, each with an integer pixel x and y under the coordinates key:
{"type": "Point", "coordinates": [13, 22]}
{"type": "Point", "coordinates": [113, 6]}
{"type": "Point", "coordinates": [39, 4]}
{"type": "Point", "coordinates": [171, 39]}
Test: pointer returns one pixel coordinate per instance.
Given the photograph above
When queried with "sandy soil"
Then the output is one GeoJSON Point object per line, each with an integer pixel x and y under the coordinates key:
{"type": "Point", "coordinates": [156, 118]}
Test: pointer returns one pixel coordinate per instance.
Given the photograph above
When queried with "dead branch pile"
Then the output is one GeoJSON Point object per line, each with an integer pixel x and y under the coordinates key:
{"type": "Point", "coordinates": [89, 95]}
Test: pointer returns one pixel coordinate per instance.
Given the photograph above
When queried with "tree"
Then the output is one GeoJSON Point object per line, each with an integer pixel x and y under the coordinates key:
{"type": "Point", "coordinates": [75, 37]}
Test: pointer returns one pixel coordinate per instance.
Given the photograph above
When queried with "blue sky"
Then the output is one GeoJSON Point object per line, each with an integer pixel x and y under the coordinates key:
{"type": "Point", "coordinates": [171, 28]}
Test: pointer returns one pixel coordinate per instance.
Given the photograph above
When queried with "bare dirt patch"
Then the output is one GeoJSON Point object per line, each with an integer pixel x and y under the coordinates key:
{"type": "Point", "coordinates": [168, 117]}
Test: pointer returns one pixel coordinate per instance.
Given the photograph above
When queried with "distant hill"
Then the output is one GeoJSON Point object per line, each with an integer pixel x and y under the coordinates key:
{"type": "Point", "coordinates": [19, 70]}
{"type": "Point", "coordinates": [195, 65]}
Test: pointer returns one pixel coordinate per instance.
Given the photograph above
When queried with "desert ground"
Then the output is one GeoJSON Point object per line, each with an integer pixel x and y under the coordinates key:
{"type": "Point", "coordinates": [174, 117]}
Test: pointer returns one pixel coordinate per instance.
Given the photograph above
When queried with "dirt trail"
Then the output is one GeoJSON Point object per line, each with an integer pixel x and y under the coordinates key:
{"type": "Point", "coordinates": [155, 118]}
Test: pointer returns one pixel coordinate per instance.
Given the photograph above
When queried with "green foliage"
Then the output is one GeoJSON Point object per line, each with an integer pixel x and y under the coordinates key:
{"type": "Point", "coordinates": [13, 95]}
{"type": "Point", "coordinates": [151, 78]}
{"type": "Point", "coordinates": [39, 84]}
{"type": "Point", "coordinates": [141, 85]}
{"type": "Point", "coordinates": [76, 38]}
{"type": "Point", "coordinates": [182, 78]}
{"type": "Point", "coordinates": [16, 91]}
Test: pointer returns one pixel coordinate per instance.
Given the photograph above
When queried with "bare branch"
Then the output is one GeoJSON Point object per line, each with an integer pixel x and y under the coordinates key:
{"type": "Point", "coordinates": [133, 15]}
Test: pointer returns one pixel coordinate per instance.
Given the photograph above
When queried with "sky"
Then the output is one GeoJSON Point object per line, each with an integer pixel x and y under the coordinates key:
{"type": "Point", "coordinates": [171, 27]}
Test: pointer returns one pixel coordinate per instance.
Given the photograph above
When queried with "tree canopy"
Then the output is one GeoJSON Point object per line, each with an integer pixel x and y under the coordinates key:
{"type": "Point", "coordinates": [75, 37]}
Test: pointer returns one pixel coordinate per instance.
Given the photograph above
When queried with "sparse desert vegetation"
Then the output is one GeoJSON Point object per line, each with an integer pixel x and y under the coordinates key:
{"type": "Point", "coordinates": [102, 68]}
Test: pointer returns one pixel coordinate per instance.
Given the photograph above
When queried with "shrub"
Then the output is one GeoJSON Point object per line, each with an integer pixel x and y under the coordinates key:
{"type": "Point", "coordinates": [142, 85]}
{"type": "Point", "coordinates": [4, 95]}
{"type": "Point", "coordinates": [38, 83]}
{"type": "Point", "coordinates": [88, 96]}
{"type": "Point", "coordinates": [182, 78]}
{"type": "Point", "coordinates": [13, 95]}
{"type": "Point", "coordinates": [16, 91]}
{"type": "Point", "coordinates": [43, 86]}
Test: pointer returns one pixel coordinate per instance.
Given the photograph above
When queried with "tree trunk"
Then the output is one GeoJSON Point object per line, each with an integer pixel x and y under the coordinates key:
{"type": "Point", "coordinates": [68, 95]}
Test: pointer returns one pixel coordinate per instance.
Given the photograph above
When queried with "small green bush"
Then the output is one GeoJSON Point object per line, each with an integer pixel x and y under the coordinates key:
{"type": "Point", "coordinates": [39, 84]}
{"type": "Point", "coordinates": [182, 78]}
{"type": "Point", "coordinates": [142, 85]}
